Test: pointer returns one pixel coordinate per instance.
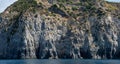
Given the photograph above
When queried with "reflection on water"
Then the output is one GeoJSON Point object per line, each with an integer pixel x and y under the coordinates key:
{"type": "Point", "coordinates": [66, 61]}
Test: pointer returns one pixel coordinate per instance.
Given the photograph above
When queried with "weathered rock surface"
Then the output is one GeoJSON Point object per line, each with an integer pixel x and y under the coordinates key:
{"type": "Point", "coordinates": [36, 35]}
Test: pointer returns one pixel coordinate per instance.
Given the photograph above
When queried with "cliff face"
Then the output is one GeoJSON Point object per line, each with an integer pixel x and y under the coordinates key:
{"type": "Point", "coordinates": [64, 30]}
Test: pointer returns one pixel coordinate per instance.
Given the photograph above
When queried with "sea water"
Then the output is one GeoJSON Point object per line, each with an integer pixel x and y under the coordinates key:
{"type": "Point", "coordinates": [59, 61]}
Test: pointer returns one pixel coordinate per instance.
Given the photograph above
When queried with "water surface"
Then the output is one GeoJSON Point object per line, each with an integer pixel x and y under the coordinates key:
{"type": "Point", "coordinates": [67, 61]}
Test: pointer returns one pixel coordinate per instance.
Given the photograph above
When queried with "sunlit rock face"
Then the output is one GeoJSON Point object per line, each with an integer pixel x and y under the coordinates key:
{"type": "Point", "coordinates": [43, 34]}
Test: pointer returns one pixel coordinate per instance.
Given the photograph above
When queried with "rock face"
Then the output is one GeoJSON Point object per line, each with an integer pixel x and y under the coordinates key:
{"type": "Point", "coordinates": [43, 36]}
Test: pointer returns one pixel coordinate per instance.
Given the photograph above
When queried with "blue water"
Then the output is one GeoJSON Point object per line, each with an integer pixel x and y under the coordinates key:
{"type": "Point", "coordinates": [68, 61]}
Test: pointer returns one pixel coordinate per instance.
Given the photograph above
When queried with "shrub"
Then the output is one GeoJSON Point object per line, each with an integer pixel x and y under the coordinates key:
{"type": "Point", "coordinates": [74, 8]}
{"type": "Point", "coordinates": [22, 5]}
{"type": "Point", "coordinates": [110, 7]}
{"type": "Point", "coordinates": [119, 17]}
